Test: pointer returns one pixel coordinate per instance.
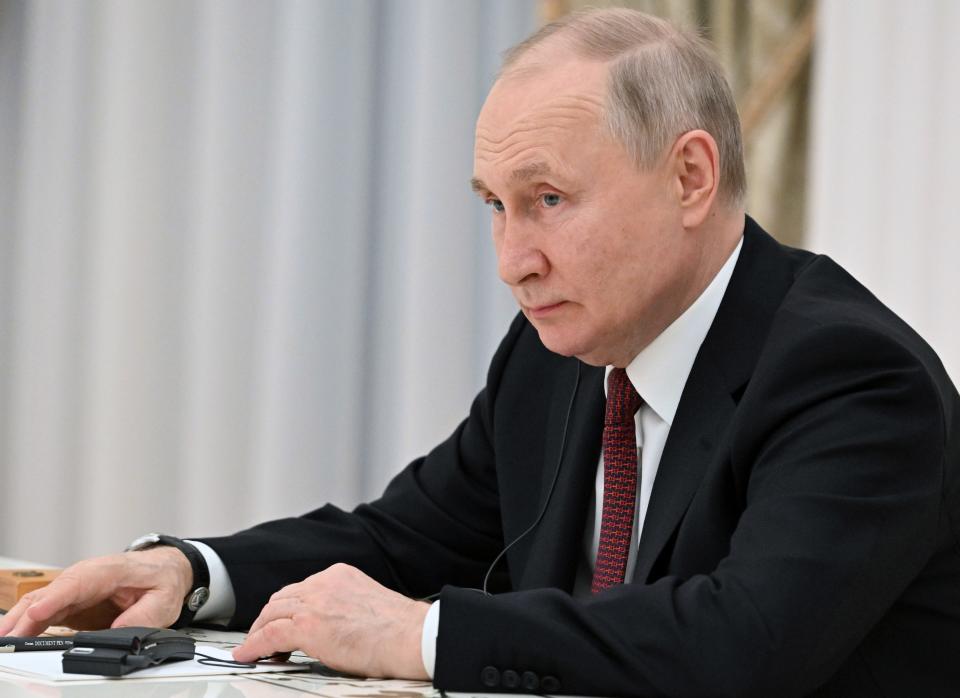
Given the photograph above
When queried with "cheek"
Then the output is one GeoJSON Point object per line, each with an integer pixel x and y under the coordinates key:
{"type": "Point", "coordinates": [496, 234]}
{"type": "Point", "coordinates": [598, 258]}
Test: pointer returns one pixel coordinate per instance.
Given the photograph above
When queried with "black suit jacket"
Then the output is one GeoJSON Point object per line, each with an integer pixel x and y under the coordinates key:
{"type": "Point", "coordinates": [801, 538]}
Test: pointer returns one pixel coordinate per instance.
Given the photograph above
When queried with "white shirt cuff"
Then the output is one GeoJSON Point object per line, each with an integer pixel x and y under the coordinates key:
{"type": "Point", "coordinates": [428, 638]}
{"type": "Point", "coordinates": [222, 603]}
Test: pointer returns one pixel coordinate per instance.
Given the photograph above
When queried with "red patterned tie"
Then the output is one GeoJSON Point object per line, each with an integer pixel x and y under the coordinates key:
{"type": "Point", "coordinates": [619, 481]}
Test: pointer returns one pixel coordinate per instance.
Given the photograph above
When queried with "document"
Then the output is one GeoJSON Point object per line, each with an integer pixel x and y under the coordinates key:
{"type": "Point", "coordinates": [48, 666]}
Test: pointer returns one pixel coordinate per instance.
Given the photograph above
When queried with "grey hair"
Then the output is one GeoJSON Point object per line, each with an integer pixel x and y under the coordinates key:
{"type": "Point", "coordinates": [664, 80]}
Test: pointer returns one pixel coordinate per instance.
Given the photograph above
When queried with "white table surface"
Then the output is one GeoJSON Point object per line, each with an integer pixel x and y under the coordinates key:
{"type": "Point", "coordinates": [254, 686]}
{"type": "Point", "coordinates": [236, 686]}
{"type": "Point", "coordinates": [281, 685]}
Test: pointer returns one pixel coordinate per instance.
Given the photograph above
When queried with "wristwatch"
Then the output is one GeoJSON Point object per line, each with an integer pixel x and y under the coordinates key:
{"type": "Point", "coordinates": [201, 575]}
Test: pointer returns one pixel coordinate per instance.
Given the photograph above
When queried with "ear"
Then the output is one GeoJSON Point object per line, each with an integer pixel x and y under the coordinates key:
{"type": "Point", "coordinates": [696, 161]}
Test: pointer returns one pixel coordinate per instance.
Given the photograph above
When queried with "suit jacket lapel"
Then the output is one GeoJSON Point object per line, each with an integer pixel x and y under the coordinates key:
{"type": "Point", "coordinates": [702, 416]}
{"type": "Point", "coordinates": [726, 359]}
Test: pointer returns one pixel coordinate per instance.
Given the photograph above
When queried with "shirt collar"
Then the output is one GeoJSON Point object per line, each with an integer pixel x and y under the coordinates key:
{"type": "Point", "coordinates": [660, 371]}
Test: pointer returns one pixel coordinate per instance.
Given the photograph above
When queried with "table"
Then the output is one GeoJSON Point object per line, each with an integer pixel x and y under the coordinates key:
{"type": "Point", "coordinates": [279, 685]}
{"type": "Point", "coordinates": [238, 686]}
{"type": "Point", "coordinates": [255, 686]}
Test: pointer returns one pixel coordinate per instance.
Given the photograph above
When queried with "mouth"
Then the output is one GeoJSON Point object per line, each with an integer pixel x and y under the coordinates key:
{"type": "Point", "coordinates": [543, 311]}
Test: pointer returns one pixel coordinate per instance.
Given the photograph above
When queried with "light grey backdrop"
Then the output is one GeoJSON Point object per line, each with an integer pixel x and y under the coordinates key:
{"type": "Point", "coordinates": [885, 149]}
{"type": "Point", "coordinates": [241, 270]}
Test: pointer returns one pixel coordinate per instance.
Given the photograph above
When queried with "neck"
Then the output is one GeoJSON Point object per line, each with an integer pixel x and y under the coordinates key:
{"type": "Point", "coordinates": [720, 240]}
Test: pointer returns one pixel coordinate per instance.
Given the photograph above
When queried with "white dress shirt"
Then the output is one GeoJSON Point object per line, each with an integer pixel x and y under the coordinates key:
{"type": "Point", "coordinates": [659, 374]}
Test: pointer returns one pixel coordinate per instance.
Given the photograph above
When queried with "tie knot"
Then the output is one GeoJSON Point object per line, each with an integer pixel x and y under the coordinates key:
{"type": "Point", "coordinates": [623, 400]}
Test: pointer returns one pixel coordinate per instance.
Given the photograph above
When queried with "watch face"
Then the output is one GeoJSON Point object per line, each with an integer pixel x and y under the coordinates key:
{"type": "Point", "coordinates": [198, 598]}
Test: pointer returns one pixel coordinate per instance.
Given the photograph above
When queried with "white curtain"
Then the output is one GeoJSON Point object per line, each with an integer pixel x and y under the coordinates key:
{"type": "Point", "coordinates": [241, 270]}
{"type": "Point", "coordinates": [885, 153]}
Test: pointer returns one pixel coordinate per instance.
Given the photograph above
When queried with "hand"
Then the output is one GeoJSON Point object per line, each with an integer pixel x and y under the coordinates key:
{"type": "Point", "coordinates": [347, 621]}
{"type": "Point", "coordinates": [137, 588]}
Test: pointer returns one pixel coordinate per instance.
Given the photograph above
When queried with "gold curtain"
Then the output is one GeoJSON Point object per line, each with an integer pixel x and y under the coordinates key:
{"type": "Point", "coordinates": [765, 48]}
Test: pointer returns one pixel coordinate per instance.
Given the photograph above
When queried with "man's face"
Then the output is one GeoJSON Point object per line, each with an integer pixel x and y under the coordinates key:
{"type": "Point", "coordinates": [592, 247]}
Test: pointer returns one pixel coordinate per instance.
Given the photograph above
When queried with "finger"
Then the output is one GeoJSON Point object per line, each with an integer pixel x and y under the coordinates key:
{"type": "Point", "coordinates": [74, 590]}
{"type": "Point", "coordinates": [64, 616]}
{"type": "Point", "coordinates": [26, 625]}
{"type": "Point", "coordinates": [46, 609]}
{"type": "Point", "coordinates": [275, 610]}
{"type": "Point", "coordinates": [21, 621]}
{"type": "Point", "coordinates": [278, 636]}
{"type": "Point", "coordinates": [10, 620]}
{"type": "Point", "coordinates": [151, 610]}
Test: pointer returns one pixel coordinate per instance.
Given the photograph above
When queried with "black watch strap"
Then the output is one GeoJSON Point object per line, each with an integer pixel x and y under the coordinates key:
{"type": "Point", "coordinates": [200, 587]}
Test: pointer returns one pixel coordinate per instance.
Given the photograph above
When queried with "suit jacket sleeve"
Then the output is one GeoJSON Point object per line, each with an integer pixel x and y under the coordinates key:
{"type": "Point", "coordinates": [437, 523]}
{"type": "Point", "coordinates": [835, 461]}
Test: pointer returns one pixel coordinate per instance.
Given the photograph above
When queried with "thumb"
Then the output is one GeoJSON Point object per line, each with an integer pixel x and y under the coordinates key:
{"type": "Point", "coordinates": [151, 611]}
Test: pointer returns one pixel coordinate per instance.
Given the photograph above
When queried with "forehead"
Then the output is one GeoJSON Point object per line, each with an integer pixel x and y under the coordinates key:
{"type": "Point", "coordinates": [540, 109]}
{"type": "Point", "coordinates": [534, 82]}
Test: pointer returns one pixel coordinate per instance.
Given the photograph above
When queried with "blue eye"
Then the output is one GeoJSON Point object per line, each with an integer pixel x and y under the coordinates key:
{"type": "Point", "coordinates": [550, 199]}
{"type": "Point", "coordinates": [496, 205]}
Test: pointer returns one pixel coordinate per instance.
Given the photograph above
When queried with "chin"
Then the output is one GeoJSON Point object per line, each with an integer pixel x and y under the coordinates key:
{"type": "Point", "coordinates": [567, 344]}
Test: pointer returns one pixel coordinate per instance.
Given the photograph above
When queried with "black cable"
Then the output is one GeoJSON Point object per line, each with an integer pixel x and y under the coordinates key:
{"type": "Point", "coordinates": [543, 509]}
{"type": "Point", "coordinates": [207, 660]}
{"type": "Point", "coordinates": [553, 484]}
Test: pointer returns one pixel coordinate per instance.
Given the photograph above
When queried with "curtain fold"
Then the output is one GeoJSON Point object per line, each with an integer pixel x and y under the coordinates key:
{"type": "Point", "coordinates": [242, 270]}
{"type": "Point", "coordinates": [885, 144]}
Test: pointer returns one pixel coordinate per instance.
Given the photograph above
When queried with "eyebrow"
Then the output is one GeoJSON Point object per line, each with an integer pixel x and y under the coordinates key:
{"type": "Point", "coordinates": [529, 171]}
{"type": "Point", "coordinates": [523, 173]}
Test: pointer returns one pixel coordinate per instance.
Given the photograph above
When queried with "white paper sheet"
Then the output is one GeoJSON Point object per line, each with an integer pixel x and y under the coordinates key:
{"type": "Point", "coordinates": [48, 666]}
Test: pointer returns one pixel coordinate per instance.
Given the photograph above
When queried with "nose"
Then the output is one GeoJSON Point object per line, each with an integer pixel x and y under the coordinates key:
{"type": "Point", "coordinates": [519, 257]}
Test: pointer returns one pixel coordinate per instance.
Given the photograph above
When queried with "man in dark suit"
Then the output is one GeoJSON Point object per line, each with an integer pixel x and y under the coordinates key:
{"type": "Point", "coordinates": [716, 465]}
